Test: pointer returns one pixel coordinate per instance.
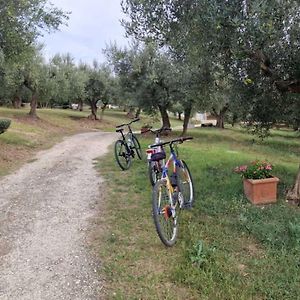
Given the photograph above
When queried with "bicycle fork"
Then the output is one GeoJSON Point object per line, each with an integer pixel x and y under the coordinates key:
{"type": "Point", "coordinates": [170, 209]}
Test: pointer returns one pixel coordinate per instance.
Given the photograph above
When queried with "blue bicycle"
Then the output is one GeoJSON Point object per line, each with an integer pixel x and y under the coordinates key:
{"type": "Point", "coordinates": [171, 193]}
{"type": "Point", "coordinates": [156, 156]}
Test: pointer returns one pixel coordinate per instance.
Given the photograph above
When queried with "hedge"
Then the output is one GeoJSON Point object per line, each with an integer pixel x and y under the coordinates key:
{"type": "Point", "coordinates": [4, 124]}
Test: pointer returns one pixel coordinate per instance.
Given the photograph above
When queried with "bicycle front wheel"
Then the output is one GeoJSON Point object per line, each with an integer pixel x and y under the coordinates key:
{"type": "Point", "coordinates": [137, 147]}
{"type": "Point", "coordinates": [123, 157]}
{"type": "Point", "coordinates": [186, 185]}
{"type": "Point", "coordinates": [165, 217]}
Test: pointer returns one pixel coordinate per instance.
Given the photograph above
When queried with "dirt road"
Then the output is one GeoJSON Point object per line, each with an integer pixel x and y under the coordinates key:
{"type": "Point", "coordinates": [45, 208]}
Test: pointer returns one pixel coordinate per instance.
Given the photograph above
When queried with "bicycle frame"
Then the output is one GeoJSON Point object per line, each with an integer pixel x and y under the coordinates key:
{"type": "Point", "coordinates": [165, 176]}
{"type": "Point", "coordinates": [127, 138]}
{"type": "Point", "coordinates": [171, 193]}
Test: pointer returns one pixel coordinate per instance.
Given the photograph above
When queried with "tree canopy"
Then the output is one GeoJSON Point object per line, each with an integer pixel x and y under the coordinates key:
{"type": "Point", "coordinates": [21, 22]}
{"type": "Point", "coordinates": [250, 47]}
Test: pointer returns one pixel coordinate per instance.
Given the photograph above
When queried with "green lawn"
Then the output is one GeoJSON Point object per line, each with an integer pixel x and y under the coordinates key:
{"type": "Point", "coordinates": [26, 136]}
{"type": "Point", "coordinates": [227, 248]}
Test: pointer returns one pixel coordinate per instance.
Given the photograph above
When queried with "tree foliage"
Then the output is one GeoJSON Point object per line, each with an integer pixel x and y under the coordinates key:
{"type": "Point", "coordinates": [146, 77]}
{"type": "Point", "coordinates": [21, 22]}
{"type": "Point", "coordinates": [236, 43]}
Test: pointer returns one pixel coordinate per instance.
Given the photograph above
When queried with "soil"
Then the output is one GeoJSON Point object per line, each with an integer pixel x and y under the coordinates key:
{"type": "Point", "coordinates": [46, 213]}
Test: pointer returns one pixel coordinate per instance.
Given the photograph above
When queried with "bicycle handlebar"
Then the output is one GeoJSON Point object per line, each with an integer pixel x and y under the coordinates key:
{"type": "Point", "coordinates": [127, 124]}
{"type": "Point", "coordinates": [179, 140]}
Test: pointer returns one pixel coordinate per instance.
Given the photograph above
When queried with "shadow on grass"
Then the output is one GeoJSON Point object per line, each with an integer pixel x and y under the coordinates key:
{"type": "Point", "coordinates": [77, 118]}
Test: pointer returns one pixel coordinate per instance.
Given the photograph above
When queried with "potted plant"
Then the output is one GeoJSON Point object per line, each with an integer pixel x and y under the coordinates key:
{"type": "Point", "coordinates": [260, 187]}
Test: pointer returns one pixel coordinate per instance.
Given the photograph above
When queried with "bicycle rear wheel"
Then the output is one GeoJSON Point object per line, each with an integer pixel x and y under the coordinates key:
{"type": "Point", "coordinates": [137, 147]}
{"type": "Point", "coordinates": [165, 217]}
{"type": "Point", "coordinates": [154, 171]}
{"type": "Point", "coordinates": [123, 157]}
{"type": "Point", "coordinates": [186, 185]}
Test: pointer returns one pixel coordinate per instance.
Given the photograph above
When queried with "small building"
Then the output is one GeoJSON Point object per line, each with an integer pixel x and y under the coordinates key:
{"type": "Point", "coordinates": [205, 119]}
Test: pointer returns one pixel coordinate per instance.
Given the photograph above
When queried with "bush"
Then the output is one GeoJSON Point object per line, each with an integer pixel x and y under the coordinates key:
{"type": "Point", "coordinates": [4, 124]}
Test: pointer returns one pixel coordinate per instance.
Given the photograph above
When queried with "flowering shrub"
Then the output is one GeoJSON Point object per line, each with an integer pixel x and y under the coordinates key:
{"type": "Point", "coordinates": [255, 170]}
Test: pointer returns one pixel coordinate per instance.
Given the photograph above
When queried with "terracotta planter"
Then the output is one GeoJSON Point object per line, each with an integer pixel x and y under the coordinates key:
{"type": "Point", "coordinates": [261, 191]}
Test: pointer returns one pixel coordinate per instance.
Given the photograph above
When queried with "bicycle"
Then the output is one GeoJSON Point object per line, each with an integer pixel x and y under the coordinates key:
{"type": "Point", "coordinates": [127, 147]}
{"type": "Point", "coordinates": [171, 194]}
{"type": "Point", "coordinates": [156, 156]}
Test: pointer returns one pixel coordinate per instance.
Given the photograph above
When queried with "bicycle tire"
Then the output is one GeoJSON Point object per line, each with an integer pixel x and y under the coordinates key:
{"type": "Point", "coordinates": [137, 147]}
{"type": "Point", "coordinates": [166, 225]}
{"type": "Point", "coordinates": [153, 172]}
{"type": "Point", "coordinates": [123, 157]}
{"type": "Point", "coordinates": [186, 184]}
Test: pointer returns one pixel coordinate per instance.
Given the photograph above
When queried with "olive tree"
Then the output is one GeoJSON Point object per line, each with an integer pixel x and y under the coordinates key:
{"type": "Point", "coordinates": [250, 46]}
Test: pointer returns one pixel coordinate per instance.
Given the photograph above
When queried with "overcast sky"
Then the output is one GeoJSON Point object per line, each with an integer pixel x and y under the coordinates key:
{"type": "Point", "coordinates": [92, 25]}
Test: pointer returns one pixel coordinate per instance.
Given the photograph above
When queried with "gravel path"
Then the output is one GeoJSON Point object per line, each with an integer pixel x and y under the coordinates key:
{"type": "Point", "coordinates": [45, 209]}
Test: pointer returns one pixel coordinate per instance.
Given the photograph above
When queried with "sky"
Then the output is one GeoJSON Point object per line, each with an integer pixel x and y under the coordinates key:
{"type": "Point", "coordinates": [91, 26]}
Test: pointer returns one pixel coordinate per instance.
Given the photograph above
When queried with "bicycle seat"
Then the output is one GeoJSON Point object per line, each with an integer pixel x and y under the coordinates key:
{"type": "Point", "coordinates": [158, 156]}
{"type": "Point", "coordinates": [119, 130]}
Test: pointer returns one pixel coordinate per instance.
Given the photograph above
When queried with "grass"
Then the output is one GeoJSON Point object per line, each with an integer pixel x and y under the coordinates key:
{"type": "Point", "coordinates": [227, 248]}
{"type": "Point", "coordinates": [26, 136]}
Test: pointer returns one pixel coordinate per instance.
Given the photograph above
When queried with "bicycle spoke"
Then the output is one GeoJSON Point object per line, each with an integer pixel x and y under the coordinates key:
{"type": "Point", "coordinates": [186, 185]}
{"type": "Point", "coordinates": [165, 218]}
{"type": "Point", "coordinates": [121, 154]}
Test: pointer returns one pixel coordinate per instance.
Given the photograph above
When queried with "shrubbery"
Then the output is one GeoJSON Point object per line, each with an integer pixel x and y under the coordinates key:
{"type": "Point", "coordinates": [4, 124]}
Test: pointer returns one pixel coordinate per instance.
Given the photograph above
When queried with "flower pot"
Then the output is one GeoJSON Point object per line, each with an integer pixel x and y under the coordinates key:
{"type": "Point", "coordinates": [261, 191]}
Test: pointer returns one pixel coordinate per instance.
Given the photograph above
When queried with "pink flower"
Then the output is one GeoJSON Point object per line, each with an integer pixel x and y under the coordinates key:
{"type": "Point", "coordinates": [243, 168]}
{"type": "Point", "coordinates": [255, 170]}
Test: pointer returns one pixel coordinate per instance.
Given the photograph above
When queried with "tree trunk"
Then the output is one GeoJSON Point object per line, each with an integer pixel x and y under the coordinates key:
{"type": "Point", "coordinates": [33, 103]}
{"type": "Point", "coordinates": [16, 101]}
{"type": "Point", "coordinates": [103, 107]}
{"type": "Point", "coordinates": [293, 194]}
{"type": "Point", "coordinates": [33, 106]}
{"type": "Point", "coordinates": [187, 116]}
{"type": "Point", "coordinates": [130, 114]}
{"type": "Point", "coordinates": [234, 120]}
{"type": "Point", "coordinates": [179, 116]}
{"type": "Point", "coordinates": [80, 105]}
{"type": "Point", "coordinates": [138, 112]}
{"type": "Point", "coordinates": [220, 121]}
{"type": "Point", "coordinates": [93, 115]}
{"type": "Point", "coordinates": [220, 116]}
{"type": "Point", "coordinates": [164, 116]}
